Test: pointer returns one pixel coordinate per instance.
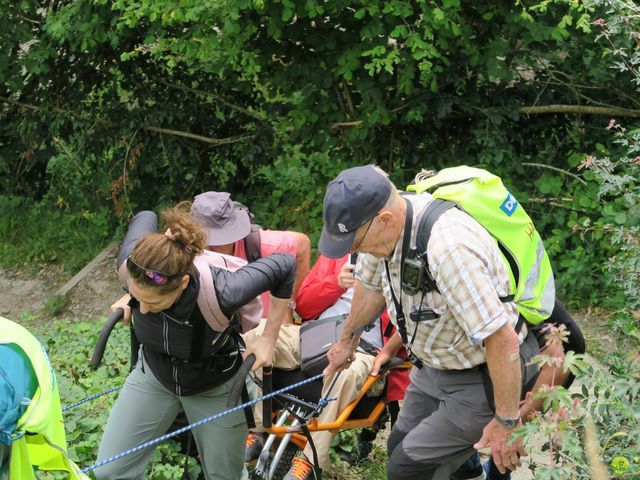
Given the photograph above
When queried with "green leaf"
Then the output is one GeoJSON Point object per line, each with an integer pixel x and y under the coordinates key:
{"type": "Point", "coordinates": [621, 218]}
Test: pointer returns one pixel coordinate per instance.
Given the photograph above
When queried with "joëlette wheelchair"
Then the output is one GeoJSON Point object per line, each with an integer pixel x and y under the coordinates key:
{"type": "Point", "coordinates": [291, 416]}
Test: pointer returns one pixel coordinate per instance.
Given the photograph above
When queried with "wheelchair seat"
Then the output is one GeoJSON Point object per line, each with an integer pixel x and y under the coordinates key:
{"type": "Point", "coordinates": [309, 392]}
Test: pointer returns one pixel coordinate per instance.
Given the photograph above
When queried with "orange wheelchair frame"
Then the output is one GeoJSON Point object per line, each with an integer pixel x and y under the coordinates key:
{"type": "Point", "coordinates": [289, 425]}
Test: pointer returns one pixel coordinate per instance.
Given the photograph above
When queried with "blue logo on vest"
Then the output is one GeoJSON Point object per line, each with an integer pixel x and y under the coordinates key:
{"type": "Point", "coordinates": [509, 205]}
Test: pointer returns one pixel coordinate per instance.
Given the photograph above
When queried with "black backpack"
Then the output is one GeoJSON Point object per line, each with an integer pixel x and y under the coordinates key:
{"type": "Point", "coordinates": [251, 241]}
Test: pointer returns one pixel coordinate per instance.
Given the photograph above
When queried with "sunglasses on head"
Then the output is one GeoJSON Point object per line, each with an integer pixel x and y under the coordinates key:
{"type": "Point", "coordinates": [157, 278]}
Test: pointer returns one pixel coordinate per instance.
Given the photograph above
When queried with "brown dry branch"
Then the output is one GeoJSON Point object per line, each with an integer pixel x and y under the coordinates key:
{"type": "Point", "coordinates": [592, 450]}
{"type": "Point", "coordinates": [580, 109]}
{"type": "Point", "coordinates": [556, 169]}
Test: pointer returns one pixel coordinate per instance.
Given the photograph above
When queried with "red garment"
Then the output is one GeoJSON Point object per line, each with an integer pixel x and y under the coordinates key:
{"type": "Point", "coordinates": [397, 380]}
{"type": "Point", "coordinates": [320, 290]}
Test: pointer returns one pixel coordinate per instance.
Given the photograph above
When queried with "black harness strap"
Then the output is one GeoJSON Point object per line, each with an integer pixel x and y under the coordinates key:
{"type": "Point", "coordinates": [400, 318]}
{"type": "Point", "coordinates": [252, 244]}
{"type": "Point", "coordinates": [317, 471]}
{"type": "Point", "coordinates": [408, 223]}
{"type": "Point", "coordinates": [431, 215]}
{"type": "Point", "coordinates": [248, 411]}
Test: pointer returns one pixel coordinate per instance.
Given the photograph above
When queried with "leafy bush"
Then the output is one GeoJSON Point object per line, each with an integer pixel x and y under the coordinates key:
{"type": "Point", "coordinates": [616, 169]}
{"type": "Point", "coordinates": [609, 400]}
{"type": "Point", "coordinates": [112, 107]}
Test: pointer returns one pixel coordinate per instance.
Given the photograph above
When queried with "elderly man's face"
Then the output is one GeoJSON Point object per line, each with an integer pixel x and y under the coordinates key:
{"type": "Point", "coordinates": [377, 237]}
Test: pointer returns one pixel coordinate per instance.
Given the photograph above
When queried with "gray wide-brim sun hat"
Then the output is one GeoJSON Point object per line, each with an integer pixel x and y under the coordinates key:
{"type": "Point", "coordinates": [223, 222]}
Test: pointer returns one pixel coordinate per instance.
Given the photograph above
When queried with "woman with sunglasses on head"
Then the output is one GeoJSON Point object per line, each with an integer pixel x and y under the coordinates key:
{"type": "Point", "coordinates": [188, 360]}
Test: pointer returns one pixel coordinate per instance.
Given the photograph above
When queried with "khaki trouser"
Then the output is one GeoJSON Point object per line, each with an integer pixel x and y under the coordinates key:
{"type": "Point", "coordinates": [286, 356]}
{"type": "Point", "coordinates": [145, 409]}
{"type": "Point", "coordinates": [287, 351]}
{"type": "Point", "coordinates": [345, 391]}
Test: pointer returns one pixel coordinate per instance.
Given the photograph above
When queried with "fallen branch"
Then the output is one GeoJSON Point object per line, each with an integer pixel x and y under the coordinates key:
{"type": "Point", "coordinates": [592, 449]}
{"type": "Point", "coordinates": [195, 136]}
{"type": "Point", "coordinates": [556, 202]}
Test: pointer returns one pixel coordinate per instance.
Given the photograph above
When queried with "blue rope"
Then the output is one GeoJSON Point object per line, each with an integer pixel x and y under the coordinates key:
{"type": "Point", "coordinates": [91, 397]}
{"type": "Point", "coordinates": [150, 443]}
{"type": "Point", "coordinates": [323, 402]}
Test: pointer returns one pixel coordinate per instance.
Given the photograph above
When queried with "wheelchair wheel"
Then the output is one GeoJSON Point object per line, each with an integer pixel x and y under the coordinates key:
{"type": "Point", "coordinates": [285, 461]}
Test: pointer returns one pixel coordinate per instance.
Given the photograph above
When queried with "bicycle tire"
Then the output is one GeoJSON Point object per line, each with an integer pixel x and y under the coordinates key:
{"type": "Point", "coordinates": [285, 462]}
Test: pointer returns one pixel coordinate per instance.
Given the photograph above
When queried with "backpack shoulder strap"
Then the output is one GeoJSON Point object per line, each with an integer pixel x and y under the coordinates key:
{"type": "Point", "coordinates": [252, 244]}
{"type": "Point", "coordinates": [249, 314]}
{"type": "Point", "coordinates": [207, 300]}
{"type": "Point", "coordinates": [429, 217]}
{"type": "Point", "coordinates": [431, 214]}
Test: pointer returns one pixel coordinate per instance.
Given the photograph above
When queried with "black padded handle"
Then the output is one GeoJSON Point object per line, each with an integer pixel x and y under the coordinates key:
{"type": "Point", "coordinates": [239, 382]}
{"type": "Point", "coordinates": [267, 388]}
{"type": "Point", "coordinates": [394, 362]}
{"type": "Point", "coordinates": [103, 338]}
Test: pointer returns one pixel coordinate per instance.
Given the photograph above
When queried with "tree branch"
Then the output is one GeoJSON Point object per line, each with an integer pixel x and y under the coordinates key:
{"type": "Point", "coordinates": [555, 203]}
{"type": "Point", "coordinates": [347, 96]}
{"type": "Point", "coordinates": [195, 136]}
{"type": "Point", "coordinates": [542, 165]}
{"type": "Point", "coordinates": [150, 128]}
{"type": "Point", "coordinates": [538, 110]}
{"type": "Point", "coordinates": [354, 123]}
{"type": "Point", "coordinates": [580, 109]}
{"type": "Point", "coordinates": [232, 106]}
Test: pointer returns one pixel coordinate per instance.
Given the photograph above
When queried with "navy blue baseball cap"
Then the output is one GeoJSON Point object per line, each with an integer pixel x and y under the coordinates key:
{"type": "Point", "coordinates": [353, 198]}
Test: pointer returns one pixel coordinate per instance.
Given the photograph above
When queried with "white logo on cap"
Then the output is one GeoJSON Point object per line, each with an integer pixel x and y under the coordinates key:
{"type": "Point", "coordinates": [342, 228]}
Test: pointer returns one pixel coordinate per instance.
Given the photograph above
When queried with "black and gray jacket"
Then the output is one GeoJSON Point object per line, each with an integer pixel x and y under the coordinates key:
{"type": "Point", "coordinates": [184, 353]}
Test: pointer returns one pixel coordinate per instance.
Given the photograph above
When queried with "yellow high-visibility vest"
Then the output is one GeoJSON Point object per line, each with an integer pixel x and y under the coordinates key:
{"type": "Point", "coordinates": [45, 448]}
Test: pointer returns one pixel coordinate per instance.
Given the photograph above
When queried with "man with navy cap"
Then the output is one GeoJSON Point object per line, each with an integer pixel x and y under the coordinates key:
{"type": "Point", "coordinates": [452, 333]}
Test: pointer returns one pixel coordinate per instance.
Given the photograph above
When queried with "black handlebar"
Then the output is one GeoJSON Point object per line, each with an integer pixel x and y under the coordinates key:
{"type": "Point", "coordinates": [394, 362]}
{"type": "Point", "coordinates": [101, 344]}
{"type": "Point", "coordinates": [267, 388]}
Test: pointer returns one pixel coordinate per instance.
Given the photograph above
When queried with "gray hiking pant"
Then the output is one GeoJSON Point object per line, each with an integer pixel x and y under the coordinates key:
{"type": "Point", "coordinates": [443, 415]}
{"type": "Point", "coordinates": [145, 410]}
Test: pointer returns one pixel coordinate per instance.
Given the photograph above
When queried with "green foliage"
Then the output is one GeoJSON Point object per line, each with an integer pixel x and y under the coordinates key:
{"type": "Point", "coordinates": [619, 194]}
{"type": "Point", "coordinates": [616, 169]}
{"type": "Point", "coordinates": [374, 467]}
{"type": "Point", "coordinates": [607, 396]}
{"type": "Point", "coordinates": [55, 305]}
{"type": "Point", "coordinates": [50, 231]}
{"type": "Point", "coordinates": [112, 107]}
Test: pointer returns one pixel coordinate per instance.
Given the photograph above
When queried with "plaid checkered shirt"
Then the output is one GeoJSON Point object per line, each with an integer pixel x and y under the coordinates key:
{"type": "Point", "coordinates": [471, 275]}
